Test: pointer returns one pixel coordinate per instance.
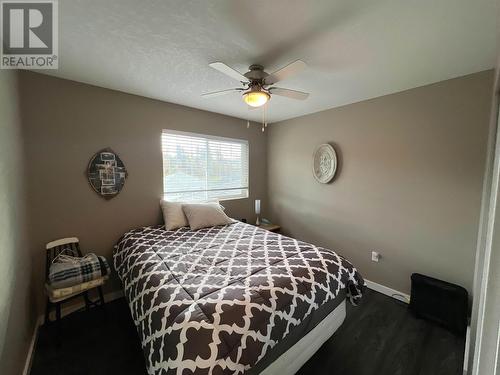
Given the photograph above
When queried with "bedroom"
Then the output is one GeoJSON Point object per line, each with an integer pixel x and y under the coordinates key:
{"type": "Point", "coordinates": [403, 99]}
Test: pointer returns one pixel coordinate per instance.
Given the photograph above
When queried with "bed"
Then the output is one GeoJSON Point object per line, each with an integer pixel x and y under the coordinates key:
{"type": "Point", "coordinates": [231, 299]}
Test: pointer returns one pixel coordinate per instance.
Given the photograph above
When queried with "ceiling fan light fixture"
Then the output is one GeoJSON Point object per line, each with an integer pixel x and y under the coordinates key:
{"type": "Point", "coordinates": [256, 98]}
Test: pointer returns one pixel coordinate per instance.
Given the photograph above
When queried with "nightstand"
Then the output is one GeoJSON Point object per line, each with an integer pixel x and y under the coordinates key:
{"type": "Point", "coordinates": [270, 227]}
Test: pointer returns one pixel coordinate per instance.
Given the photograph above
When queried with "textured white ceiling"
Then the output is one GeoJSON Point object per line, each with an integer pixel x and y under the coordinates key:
{"type": "Point", "coordinates": [355, 50]}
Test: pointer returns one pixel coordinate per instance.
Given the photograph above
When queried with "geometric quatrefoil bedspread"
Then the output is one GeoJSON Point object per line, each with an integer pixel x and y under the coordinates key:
{"type": "Point", "coordinates": [216, 300]}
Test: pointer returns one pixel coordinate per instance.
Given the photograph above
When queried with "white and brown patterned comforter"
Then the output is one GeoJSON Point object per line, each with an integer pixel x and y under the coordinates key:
{"type": "Point", "coordinates": [216, 300]}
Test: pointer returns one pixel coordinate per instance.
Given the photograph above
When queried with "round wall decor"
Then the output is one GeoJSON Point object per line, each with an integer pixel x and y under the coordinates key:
{"type": "Point", "coordinates": [106, 173]}
{"type": "Point", "coordinates": [324, 163]}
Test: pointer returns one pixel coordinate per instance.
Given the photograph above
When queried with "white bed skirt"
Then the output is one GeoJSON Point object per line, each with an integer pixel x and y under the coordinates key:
{"type": "Point", "coordinates": [294, 358]}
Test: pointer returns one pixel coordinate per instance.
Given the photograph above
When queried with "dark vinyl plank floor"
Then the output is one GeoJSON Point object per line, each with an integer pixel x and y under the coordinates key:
{"type": "Point", "coordinates": [381, 337]}
{"type": "Point", "coordinates": [378, 337]}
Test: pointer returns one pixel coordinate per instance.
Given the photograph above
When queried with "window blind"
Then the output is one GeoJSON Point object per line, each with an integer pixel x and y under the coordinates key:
{"type": "Point", "coordinates": [199, 167]}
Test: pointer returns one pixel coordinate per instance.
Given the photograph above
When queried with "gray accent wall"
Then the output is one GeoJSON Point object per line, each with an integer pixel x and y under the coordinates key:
{"type": "Point", "coordinates": [66, 123]}
{"type": "Point", "coordinates": [17, 315]}
{"type": "Point", "coordinates": [408, 185]}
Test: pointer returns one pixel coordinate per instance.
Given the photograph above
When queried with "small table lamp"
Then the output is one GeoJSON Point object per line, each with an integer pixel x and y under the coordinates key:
{"type": "Point", "coordinates": [257, 211]}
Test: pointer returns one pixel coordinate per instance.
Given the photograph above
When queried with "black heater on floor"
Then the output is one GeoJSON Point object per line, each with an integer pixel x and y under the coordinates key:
{"type": "Point", "coordinates": [440, 302]}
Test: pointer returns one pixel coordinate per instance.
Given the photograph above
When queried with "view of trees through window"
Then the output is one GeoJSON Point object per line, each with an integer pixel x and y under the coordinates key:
{"type": "Point", "coordinates": [197, 167]}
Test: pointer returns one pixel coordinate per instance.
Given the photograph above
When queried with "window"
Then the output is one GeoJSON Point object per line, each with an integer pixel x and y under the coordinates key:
{"type": "Point", "coordinates": [200, 167]}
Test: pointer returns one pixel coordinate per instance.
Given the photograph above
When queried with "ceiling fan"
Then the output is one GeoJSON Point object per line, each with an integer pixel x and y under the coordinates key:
{"type": "Point", "coordinates": [258, 84]}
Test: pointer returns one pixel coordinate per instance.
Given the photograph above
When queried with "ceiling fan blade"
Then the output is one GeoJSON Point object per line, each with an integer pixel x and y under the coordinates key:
{"type": "Point", "coordinates": [219, 93]}
{"type": "Point", "coordinates": [285, 72]}
{"type": "Point", "coordinates": [230, 72]}
{"type": "Point", "coordinates": [293, 94]}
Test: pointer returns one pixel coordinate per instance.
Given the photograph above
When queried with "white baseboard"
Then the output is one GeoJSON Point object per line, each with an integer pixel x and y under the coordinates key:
{"type": "Point", "coordinates": [108, 297]}
{"type": "Point", "coordinates": [467, 348]}
{"type": "Point", "coordinates": [29, 356]}
{"type": "Point", "coordinates": [400, 296]}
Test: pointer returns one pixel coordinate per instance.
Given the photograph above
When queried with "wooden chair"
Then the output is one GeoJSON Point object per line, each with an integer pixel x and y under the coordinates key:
{"type": "Point", "coordinates": [55, 297]}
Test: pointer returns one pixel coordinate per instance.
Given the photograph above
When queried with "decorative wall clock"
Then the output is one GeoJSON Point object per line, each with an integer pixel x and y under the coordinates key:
{"type": "Point", "coordinates": [106, 173]}
{"type": "Point", "coordinates": [324, 163]}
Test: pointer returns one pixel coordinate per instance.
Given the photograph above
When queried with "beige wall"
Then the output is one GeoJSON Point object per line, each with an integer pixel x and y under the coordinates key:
{"type": "Point", "coordinates": [409, 183]}
{"type": "Point", "coordinates": [17, 316]}
{"type": "Point", "coordinates": [66, 122]}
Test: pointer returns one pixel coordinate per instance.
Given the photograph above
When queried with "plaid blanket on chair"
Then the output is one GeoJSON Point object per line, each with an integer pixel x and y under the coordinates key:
{"type": "Point", "coordinates": [67, 271]}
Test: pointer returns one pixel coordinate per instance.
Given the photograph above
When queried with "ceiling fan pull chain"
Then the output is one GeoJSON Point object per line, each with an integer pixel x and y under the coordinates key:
{"type": "Point", "coordinates": [248, 117]}
{"type": "Point", "coordinates": [263, 116]}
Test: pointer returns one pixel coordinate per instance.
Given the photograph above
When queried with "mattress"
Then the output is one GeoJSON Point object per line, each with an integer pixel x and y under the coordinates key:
{"type": "Point", "coordinates": [295, 357]}
{"type": "Point", "coordinates": [229, 299]}
{"type": "Point", "coordinates": [296, 348]}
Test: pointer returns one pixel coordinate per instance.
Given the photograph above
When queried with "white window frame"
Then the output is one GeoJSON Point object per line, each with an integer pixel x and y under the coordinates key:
{"type": "Point", "coordinates": [246, 189]}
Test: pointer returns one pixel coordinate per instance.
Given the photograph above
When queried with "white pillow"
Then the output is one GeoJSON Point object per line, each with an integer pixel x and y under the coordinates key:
{"type": "Point", "coordinates": [203, 215]}
{"type": "Point", "coordinates": [173, 215]}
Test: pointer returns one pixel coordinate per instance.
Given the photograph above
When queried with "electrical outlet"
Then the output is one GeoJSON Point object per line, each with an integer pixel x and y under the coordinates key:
{"type": "Point", "coordinates": [375, 256]}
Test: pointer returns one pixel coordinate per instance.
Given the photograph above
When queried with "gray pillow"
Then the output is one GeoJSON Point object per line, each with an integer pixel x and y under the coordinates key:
{"type": "Point", "coordinates": [203, 215]}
